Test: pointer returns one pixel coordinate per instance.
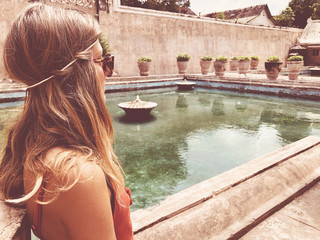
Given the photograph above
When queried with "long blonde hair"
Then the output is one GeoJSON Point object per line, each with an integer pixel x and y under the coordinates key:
{"type": "Point", "coordinates": [67, 111]}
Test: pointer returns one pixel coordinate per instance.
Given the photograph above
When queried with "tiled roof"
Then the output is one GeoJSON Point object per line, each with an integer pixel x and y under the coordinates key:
{"type": "Point", "coordinates": [311, 33]}
{"type": "Point", "coordinates": [188, 11]}
{"type": "Point", "coordinates": [244, 12]}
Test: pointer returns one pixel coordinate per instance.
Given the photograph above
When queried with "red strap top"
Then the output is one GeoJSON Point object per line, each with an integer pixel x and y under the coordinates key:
{"type": "Point", "coordinates": [121, 215]}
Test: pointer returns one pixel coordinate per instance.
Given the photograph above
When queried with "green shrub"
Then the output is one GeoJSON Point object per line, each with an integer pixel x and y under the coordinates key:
{"type": "Point", "coordinates": [183, 57]}
{"type": "Point", "coordinates": [144, 59]}
{"type": "Point", "coordinates": [295, 58]}
{"type": "Point", "coordinates": [221, 59]}
{"type": "Point", "coordinates": [104, 44]}
{"type": "Point", "coordinates": [243, 58]}
{"type": "Point", "coordinates": [206, 58]}
{"type": "Point", "coordinates": [234, 58]}
{"type": "Point", "coordinates": [255, 58]}
{"type": "Point", "coordinates": [273, 59]}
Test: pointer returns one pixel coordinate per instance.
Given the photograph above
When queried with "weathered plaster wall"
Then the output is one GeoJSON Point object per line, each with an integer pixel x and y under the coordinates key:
{"type": "Point", "coordinates": [139, 32]}
{"type": "Point", "coordinates": [9, 9]}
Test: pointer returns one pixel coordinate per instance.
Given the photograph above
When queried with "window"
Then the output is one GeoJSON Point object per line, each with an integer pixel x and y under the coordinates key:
{"type": "Point", "coordinates": [315, 52]}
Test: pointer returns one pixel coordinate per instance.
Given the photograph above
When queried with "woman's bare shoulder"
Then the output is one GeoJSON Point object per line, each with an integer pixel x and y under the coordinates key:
{"type": "Point", "coordinates": [85, 208]}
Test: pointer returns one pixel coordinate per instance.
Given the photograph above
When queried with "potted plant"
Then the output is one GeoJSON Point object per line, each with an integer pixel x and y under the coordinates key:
{"type": "Point", "coordinates": [254, 62]}
{"type": "Point", "coordinates": [144, 65]}
{"type": "Point", "coordinates": [182, 62]}
{"type": "Point", "coordinates": [243, 65]}
{"type": "Point", "coordinates": [294, 63]}
{"type": "Point", "coordinates": [273, 67]}
{"type": "Point", "coordinates": [205, 63]}
{"type": "Point", "coordinates": [233, 64]}
{"type": "Point", "coordinates": [220, 66]}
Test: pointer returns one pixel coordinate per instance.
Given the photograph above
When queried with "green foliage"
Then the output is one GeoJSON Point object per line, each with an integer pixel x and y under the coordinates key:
{"type": "Point", "coordinates": [144, 59]}
{"type": "Point", "coordinates": [254, 58]}
{"type": "Point", "coordinates": [161, 5]}
{"type": "Point", "coordinates": [206, 58]}
{"type": "Point", "coordinates": [273, 59]}
{"type": "Point", "coordinates": [220, 15]}
{"type": "Point", "coordinates": [295, 58]}
{"type": "Point", "coordinates": [286, 18]}
{"type": "Point", "coordinates": [303, 9]}
{"type": "Point", "coordinates": [234, 58]}
{"type": "Point", "coordinates": [104, 44]}
{"type": "Point", "coordinates": [243, 58]}
{"type": "Point", "coordinates": [316, 11]}
{"type": "Point", "coordinates": [221, 59]}
{"type": "Point", "coordinates": [183, 57]}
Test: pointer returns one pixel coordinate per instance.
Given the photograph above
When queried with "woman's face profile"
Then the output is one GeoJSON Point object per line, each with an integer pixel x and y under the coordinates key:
{"type": "Point", "coordinates": [97, 53]}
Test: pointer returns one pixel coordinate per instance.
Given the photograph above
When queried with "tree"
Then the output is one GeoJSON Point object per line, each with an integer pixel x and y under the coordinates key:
{"type": "Point", "coordinates": [316, 12]}
{"type": "Point", "coordinates": [286, 18]}
{"type": "Point", "coordinates": [131, 3]}
{"type": "Point", "coordinates": [220, 15]}
{"type": "Point", "coordinates": [162, 5]}
{"type": "Point", "coordinates": [303, 9]}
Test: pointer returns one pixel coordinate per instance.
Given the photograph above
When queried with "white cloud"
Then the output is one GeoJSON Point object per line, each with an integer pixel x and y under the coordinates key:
{"type": "Point", "coordinates": [208, 6]}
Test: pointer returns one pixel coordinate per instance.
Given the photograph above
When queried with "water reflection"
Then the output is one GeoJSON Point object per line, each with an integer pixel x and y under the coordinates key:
{"type": "Point", "coordinates": [136, 119]}
{"type": "Point", "coordinates": [286, 122]}
{"type": "Point", "coordinates": [240, 106]}
{"type": "Point", "coordinates": [204, 99]}
{"type": "Point", "coordinates": [182, 102]}
{"type": "Point", "coordinates": [218, 107]}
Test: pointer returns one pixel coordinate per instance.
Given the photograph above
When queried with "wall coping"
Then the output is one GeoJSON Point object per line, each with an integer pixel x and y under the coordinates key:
{"type": "Point", "coordinates": [181, 16]}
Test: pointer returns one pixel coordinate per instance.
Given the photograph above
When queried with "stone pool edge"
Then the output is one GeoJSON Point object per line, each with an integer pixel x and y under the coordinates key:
{"type": "Point", "coordinates": [231, 204]}
{"type": "Point", "coordinates": [305, 87]}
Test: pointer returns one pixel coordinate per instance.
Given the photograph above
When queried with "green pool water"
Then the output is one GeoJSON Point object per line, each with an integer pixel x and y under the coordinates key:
{"type": "Point", "coordinates": [193, 136]}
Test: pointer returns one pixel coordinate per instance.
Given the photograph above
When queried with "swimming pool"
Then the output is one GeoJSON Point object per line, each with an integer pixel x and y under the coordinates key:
{"type": "Point", "coordinates": [193, 136]}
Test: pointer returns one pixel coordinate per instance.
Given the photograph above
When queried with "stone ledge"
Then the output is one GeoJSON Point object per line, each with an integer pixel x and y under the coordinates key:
{"type": "Point", "coordinates": [229, 205]}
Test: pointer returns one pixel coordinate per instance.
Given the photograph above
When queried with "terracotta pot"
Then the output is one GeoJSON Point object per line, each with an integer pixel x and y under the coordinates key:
{"type": "Point", "coordinates": [273, 69]}
{"type": "Point", "coordinates": [294, 68]}
{"type": "Point", "coordinates": [219, 68]}
{"type": "Point", "coordinates": [233, 65]}
{"type": "Point", "coordinates": [144, 68]}
{"type": "Point", "coordinates": [243, 66]}
{"type": "Point", "coordinates": [205, 66]}
{"type": "Point", "coordinates": [182, 66]}
{"type": "Point", "coordinates": [254, 64]}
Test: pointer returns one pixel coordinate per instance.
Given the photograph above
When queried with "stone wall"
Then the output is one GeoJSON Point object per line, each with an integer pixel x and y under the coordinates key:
{"type": "Point", "coordinates": [140, 32]}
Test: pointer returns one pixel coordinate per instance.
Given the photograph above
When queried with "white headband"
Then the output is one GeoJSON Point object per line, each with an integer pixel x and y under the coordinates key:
{"type": "Point", "coordinates": [73, 61]}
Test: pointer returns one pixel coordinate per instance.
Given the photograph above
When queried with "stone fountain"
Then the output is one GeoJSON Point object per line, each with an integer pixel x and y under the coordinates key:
{"type": "Point", "coordinates": [137, 109]}
{"type": "Point", "coordinates": [185, 85]}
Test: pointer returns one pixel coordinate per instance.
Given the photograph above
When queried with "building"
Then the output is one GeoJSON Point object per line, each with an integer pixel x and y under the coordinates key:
{"type": "Point", "coordinates": [309, 43]}
{"type": "Point", "coordinates": [255, 15]}
{"type": "Point", "coordinates": [186, 10]}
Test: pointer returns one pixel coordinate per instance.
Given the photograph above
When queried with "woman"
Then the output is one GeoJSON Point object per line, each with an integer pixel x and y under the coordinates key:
{"type": "Point", "coordinates": [59, 158]}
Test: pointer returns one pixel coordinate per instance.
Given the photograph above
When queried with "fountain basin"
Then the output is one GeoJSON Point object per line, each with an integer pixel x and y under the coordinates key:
{"type": "Point", "coordinates": [137, 108]}
{"type": "Point", "coordinates": [185, 85]}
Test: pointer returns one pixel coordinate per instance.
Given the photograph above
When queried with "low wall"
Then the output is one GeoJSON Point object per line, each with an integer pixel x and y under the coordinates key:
{"type": "Point", "coordinates": [231, 204]}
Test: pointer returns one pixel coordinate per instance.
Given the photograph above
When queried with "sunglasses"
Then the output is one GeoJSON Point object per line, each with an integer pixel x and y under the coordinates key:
{"type": "Point", "coordinates": [107, 64]}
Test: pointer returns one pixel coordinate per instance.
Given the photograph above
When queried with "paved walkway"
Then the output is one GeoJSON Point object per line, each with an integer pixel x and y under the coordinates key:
{"type": "Point", "coordinates": [299, 220]}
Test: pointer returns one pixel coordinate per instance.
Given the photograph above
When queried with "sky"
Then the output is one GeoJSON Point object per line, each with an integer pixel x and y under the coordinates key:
{"type": "Point", "coordinates": [209, 6]}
